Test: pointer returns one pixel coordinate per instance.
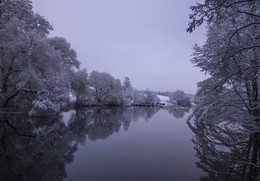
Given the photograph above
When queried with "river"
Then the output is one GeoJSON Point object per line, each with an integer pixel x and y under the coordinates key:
{"type": "Point", "coordinates": [98, 144]}
{"type": "Point", "coordinates": [127, 144]}
{"type": "Point", "coordinates": [154, 145]}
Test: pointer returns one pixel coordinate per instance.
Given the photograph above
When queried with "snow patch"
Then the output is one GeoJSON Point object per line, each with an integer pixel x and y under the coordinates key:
{"type": "Point", "coordinates": [164, 100]}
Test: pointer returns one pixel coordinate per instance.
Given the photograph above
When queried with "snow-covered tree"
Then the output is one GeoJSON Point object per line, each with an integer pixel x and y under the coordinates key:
{"type": "Point", "coordinates": [138, 97]}
{"type": "Point", "coordinates": [127, 83]}
{"type": "Point", "coordinates": [80, 87]}
{"type": "Point", "coordinates": [34, 69]}
{"type": "Point", "coordinates": [105, 88]}
{"type": "Point", "coordinates": [67, 54]}
{"type": "Point", "coordinates": [145, 97]}
{"type": "Point", "coordinates": [150, 97]}
{"type": "Point", "coordinates": [19, 36]}
{"type": "Point", "coordinates": [180, 98]}
{"type": "Point", "coordinates": [231, 56]}
{"type": "Point", "coordinates": [128, 92]}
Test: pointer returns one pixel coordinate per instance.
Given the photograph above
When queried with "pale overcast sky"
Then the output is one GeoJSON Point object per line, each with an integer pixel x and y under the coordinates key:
{"type": "Point", "coordinates": [145, 40]}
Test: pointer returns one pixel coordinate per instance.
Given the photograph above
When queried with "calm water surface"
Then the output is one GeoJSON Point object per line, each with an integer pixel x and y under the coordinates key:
{"type": "Point", "coordinates": [144, 144]}
{"type": "Point", "coordinates": [127, 144]}
{"type": "Point", "coordinates": [98, 144]}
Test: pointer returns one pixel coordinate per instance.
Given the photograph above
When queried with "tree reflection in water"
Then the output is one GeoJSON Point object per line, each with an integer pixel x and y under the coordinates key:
{"type": "Point", "coordinates": [39, 148]}
{"type": "Point", "coordinates": [34, 149]}
{"type": "Point", "coordinates": [178, 113]}
{"type": "Point", "coordinates": [227, 151]}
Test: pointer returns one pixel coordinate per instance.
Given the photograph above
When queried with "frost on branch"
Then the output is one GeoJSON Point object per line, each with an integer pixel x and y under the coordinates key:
{"type": "Point", "coordinates": [44, 107]}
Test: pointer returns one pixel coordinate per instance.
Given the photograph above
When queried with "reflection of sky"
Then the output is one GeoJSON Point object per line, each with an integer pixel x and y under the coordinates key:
{"type": "Point", "coordinates": [156, 149]}
{"type": "Point", "coordinates": [66, 116]}
{"type": "Point", "coordinates": [143, 39]}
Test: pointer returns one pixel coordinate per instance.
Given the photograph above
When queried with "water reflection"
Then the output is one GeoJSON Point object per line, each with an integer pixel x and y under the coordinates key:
{"type": "Point", "coordinates": [102, 123]}
{"type": "Point", "coordinates": [227, 151]}
{"type": "Point", "coordinates": [178, 113]}
{"type": "Point", "coordinates": [34, 149]}
{"type": "Point", "coordinates": [40, 148]}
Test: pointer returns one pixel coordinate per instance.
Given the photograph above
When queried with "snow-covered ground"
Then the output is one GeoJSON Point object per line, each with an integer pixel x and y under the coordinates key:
{"type": "Point", "coordinates": [164, 100]}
